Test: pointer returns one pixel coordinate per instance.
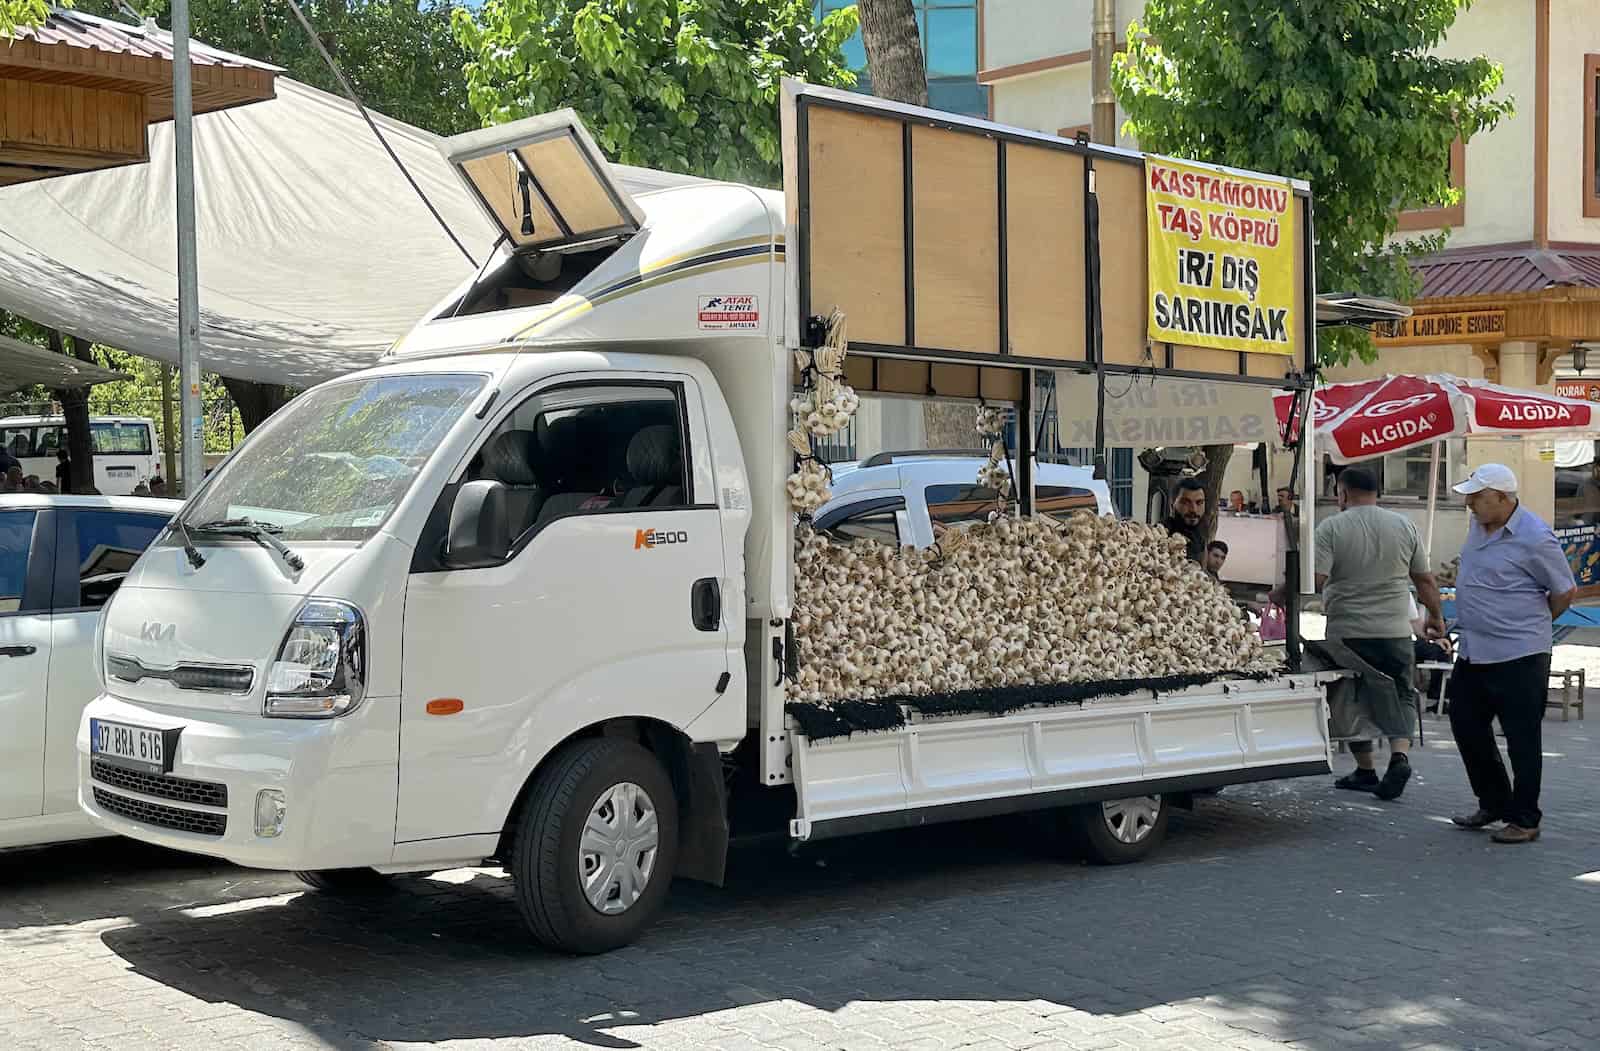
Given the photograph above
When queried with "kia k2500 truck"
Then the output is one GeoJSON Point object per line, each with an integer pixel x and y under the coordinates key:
{"type": "Point", "coordinates": [523, 591]}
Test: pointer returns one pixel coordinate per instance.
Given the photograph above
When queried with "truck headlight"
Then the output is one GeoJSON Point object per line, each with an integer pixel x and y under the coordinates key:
{"type": "Point", "coordinates": [321, 668]}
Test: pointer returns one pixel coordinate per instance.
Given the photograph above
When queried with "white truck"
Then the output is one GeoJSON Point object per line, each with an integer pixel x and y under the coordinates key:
{"type": "Point", "coordinates": [521, 592]}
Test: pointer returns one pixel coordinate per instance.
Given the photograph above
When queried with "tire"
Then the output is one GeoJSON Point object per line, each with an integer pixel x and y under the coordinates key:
{"type": "Point", "coordinates": [344, 881]}
{"type": "Point", "coordinates": [1117, 831]}
{"type": "Point", "coordinates": [597, 779]}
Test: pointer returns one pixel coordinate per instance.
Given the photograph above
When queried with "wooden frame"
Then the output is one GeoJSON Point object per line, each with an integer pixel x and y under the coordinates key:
{"type": "Point", "coordinates": [1591, 110]}
{"type": "Point", "coordinates": [1449, 215]}
{"type": "Point", "coordinates": [910, 221]}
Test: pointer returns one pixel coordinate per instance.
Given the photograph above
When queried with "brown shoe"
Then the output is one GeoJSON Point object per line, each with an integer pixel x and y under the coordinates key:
{"type": "Point", "coordinates": [1514, 834]}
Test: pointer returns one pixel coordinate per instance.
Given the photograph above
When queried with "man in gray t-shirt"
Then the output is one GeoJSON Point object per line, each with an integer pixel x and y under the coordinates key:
{"type": "Point", "coordinates": [1367, 560]}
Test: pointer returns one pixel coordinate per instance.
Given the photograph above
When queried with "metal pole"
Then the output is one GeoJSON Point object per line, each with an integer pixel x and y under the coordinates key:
{"type": "Point", "coordinates": [1433, 495]}
{"type": "Point", "coordinates": [1103, 113]}
{"type": "Point", "coordinates": [188, 270]}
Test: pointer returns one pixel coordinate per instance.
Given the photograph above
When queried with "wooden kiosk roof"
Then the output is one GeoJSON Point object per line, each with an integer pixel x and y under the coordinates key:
{"type": "Point", "coordinates": [78, 92]}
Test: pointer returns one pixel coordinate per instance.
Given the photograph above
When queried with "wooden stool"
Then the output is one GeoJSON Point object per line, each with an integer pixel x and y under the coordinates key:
{"type": "Point", "coordinates": [1569, 679]}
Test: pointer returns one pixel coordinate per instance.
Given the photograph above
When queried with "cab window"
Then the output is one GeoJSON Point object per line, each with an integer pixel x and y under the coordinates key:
{"type": "Point", "coordinates": [876, 520]}
{"type": "Point", "coordinates": [589, 450]}
{"type": "Point", "coordinates": [128, 439]}
{"type": "Point", "coordinates": [1060, 501]}
{"type": "Point", "coordinates": [962, 503]}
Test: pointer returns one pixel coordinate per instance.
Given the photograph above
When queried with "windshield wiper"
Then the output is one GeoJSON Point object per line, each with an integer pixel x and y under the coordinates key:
{"type": "Point", "coordinates": [196, 559]}
{"type": "Point", "coordinates": [260, 532]}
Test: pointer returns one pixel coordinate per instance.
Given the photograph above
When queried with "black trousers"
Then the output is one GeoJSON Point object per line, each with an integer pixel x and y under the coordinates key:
{"type": "Point", "coordinates": [1514, 692]}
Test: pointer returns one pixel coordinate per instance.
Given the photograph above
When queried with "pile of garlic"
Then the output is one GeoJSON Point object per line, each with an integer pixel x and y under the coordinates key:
{"type": "Point", "coordinates": [1015, 603]}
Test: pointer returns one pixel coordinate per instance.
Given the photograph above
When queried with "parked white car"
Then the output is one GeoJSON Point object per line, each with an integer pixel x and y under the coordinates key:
{"type": "Point", "coordinates": [61, 557]}
{"type": "Point", "coordinates": [897, 497]}
{"type": "Point", "coordinates": [126, 452]}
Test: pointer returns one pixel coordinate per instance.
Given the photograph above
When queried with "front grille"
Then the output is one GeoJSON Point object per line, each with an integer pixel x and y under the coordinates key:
{"type": "Point", "coordinates": [181, 789]}
{"type": "Point", "coordinates": [216, 678]}
{"type": "Point", "coordinates": [161, 816]}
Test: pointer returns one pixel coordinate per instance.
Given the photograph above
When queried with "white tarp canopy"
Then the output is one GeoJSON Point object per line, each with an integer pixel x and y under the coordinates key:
{"type": "Point", "coordinates": [24, 364]}
{"type": "Point", "coordinates": [314, 253]}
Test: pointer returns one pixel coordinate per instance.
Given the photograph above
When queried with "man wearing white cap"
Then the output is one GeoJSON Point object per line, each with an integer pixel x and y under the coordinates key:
{"type": "Point", "coordinates": [1513, 582]}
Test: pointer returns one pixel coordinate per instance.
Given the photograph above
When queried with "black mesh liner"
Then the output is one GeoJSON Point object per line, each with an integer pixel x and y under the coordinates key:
{"type": "Point", "coordinates": [842, 718]}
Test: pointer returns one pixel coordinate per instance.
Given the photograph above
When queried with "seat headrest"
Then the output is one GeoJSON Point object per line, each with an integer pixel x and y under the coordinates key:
{"type": "Point", "coordinates": [507, 458]}
{"type": "Point", "coordinates": [653, 456]}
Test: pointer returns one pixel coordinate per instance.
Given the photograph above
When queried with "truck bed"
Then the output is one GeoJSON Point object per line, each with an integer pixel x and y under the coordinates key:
{"type": "Point", "coordinates": [949, 768]}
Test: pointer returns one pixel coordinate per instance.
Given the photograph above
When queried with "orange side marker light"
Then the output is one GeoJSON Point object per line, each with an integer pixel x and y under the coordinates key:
{"type": "Point", "coordinates": [445, 706]}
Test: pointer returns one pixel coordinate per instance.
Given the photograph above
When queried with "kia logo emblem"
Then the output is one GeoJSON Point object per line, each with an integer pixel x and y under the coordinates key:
{"type": "Point", "coordinates": [155, 631]}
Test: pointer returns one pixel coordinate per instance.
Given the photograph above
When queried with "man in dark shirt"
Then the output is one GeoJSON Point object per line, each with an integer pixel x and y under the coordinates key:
{"type": "Point", "coordinates": [63, 470]}
{"type": "Point", "coordinates": [1188, 511]}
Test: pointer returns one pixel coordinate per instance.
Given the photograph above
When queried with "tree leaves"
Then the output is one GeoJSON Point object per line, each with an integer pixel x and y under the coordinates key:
{"type": "Point", "coordinates": [684, 85]}
{"type": "Point", "coordinates": [1344, 93]}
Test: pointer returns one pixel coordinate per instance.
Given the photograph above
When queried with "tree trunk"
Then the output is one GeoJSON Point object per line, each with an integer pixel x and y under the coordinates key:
{"type": "Point", "coordinates": [1217, 457]}
{"type": "Point", "coordinates": [256, 401]}
{"type": "Point", "coordinates": [894, 62]}
{"type": "Point", "coordinates": [75, 407]}
{"type": "Point", "coordinates": [894, 50]}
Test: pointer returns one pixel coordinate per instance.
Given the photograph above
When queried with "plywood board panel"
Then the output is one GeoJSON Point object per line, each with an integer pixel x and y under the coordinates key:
{"type": "Point", "coordinates": [1205, 359]}
{"type": "Point", "coordinates": [857, 245]}
{"type": "Point", "coordinates": [1044, 243]}
{"type": "Point", "coordinates": [1270, 366]}
{"type": "Point", "coordinates": [955, 381]}
{"type": "Point", "coordinates": [1124, 274]}
{"type": "Point", "coordinates": [495, 175]}
{"type": "Point", "coordinates": [1001, 384]}
{"type": "Point", "coordinates": [902, 377]}
{"type": "Point", "coordinates": [858, 372]}
{"type": "Point", "coordinates": [956, 241]}
{"type": "Point", "coordinates": [579, 197]}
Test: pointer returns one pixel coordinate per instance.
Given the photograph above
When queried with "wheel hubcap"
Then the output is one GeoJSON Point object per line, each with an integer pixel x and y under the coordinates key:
{"type": "Point", "coordinates": [1131, 820]}
{"type": "Point", "coordinates": [618, 850]}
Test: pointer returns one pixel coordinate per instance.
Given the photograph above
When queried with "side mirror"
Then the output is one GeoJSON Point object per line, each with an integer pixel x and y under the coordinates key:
{"type": "Point", "coordinates": [480, 530]}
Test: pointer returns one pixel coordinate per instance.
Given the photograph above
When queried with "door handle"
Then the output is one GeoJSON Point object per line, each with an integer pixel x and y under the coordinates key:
{"type": "Point", "coordinates": [705, 604]}
{"type": "Point", "coordinates": [18, 651]}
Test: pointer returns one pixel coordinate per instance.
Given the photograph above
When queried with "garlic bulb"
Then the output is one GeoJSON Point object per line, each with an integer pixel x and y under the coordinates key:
{"type": "Point", "coordinates": [1015, 602]}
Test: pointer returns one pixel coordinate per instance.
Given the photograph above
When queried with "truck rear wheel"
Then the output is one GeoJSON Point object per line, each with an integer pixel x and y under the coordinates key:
{"type": "Point", "coordinates": [595, 846]}
{"type": "Point", "coordinates": [343, 881]}
{"type": "Point", "coordinates": [1117, 831]}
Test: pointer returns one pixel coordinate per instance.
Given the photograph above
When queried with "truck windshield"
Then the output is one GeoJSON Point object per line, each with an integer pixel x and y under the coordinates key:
{"type": "Point", "coordinates": [333, 463]}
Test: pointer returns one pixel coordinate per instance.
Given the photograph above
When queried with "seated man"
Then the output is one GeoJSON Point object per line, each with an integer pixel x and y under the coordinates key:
{"type": "Point", "coordinates": [1425, 649]}
{"type": "Point", "coordinates": [1216, 555]}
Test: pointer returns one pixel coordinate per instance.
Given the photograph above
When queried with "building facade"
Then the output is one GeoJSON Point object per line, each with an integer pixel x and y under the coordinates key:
{"type": "Point", "coordinates": [950, 33]}
{"type": "Point", "coordinates": [1517, 289]}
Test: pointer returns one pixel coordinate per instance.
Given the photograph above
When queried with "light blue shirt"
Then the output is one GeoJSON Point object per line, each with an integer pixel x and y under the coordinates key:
{"type": "Point", "coordinates": [1504, 585]}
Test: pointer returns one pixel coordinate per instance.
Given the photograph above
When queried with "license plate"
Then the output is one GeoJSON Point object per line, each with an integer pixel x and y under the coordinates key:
{"type": "Point", "coordinates": [133, 746]}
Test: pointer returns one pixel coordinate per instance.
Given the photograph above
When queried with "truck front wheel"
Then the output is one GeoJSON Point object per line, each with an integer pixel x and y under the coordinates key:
{"type": "Point", "coordinates": [1118, 831]}
{"type": "Point", "coordinates": [595, 846]}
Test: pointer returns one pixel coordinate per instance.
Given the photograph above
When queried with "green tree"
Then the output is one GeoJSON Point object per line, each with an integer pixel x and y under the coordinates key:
{"type": "Point", "coordinates": [1346, 94]}
{"type": "Point", "coordinates": [685, 85]}
{"type": "Point", "coordinates": [21, 14]}
{"type": "Point", "coordinates": [400, 55]}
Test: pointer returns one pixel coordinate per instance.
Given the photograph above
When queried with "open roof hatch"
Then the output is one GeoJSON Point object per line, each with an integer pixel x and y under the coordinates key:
{"type": "Point", "coordinates": [545, 183]}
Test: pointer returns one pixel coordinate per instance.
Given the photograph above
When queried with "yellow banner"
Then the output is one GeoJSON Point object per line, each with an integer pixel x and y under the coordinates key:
{"type": "Point", "coordinates": [1221, 259]}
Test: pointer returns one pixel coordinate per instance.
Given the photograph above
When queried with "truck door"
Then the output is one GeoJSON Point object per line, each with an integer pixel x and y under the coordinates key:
{"type": "Point", "coordinates": [609, 604]}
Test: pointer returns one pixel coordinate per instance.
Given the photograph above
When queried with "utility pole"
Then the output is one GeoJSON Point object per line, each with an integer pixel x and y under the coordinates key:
{"type": "Point", "coordinates": [193, 420]}
{"type": "Point", "coordinates": [1103, 112]}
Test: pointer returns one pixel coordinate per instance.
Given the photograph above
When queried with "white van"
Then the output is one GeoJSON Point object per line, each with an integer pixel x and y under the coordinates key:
{"type": "Point", "coordinates": [126, 452]}
{"type": "Point", "coordinates": [522, 592]}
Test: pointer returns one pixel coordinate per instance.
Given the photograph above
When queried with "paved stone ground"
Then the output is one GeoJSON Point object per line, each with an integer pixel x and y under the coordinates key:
{"type": "Point", "coordinates": [1284, 914]}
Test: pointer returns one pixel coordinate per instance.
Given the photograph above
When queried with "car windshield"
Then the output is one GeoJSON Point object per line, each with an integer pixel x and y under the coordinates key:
{"type": "Point", "coordinates": [333, 463]}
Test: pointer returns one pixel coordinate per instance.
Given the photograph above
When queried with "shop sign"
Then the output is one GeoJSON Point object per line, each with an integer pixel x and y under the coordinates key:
{"type": "Point", "coordinates": [1580, 389]}
{"type": "Point", "coordinates": [1582, 547]}
{"type": "Point", "coordinates": [1221, 265]}
{"type": "Point", "coordinates": [1466, 326]}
